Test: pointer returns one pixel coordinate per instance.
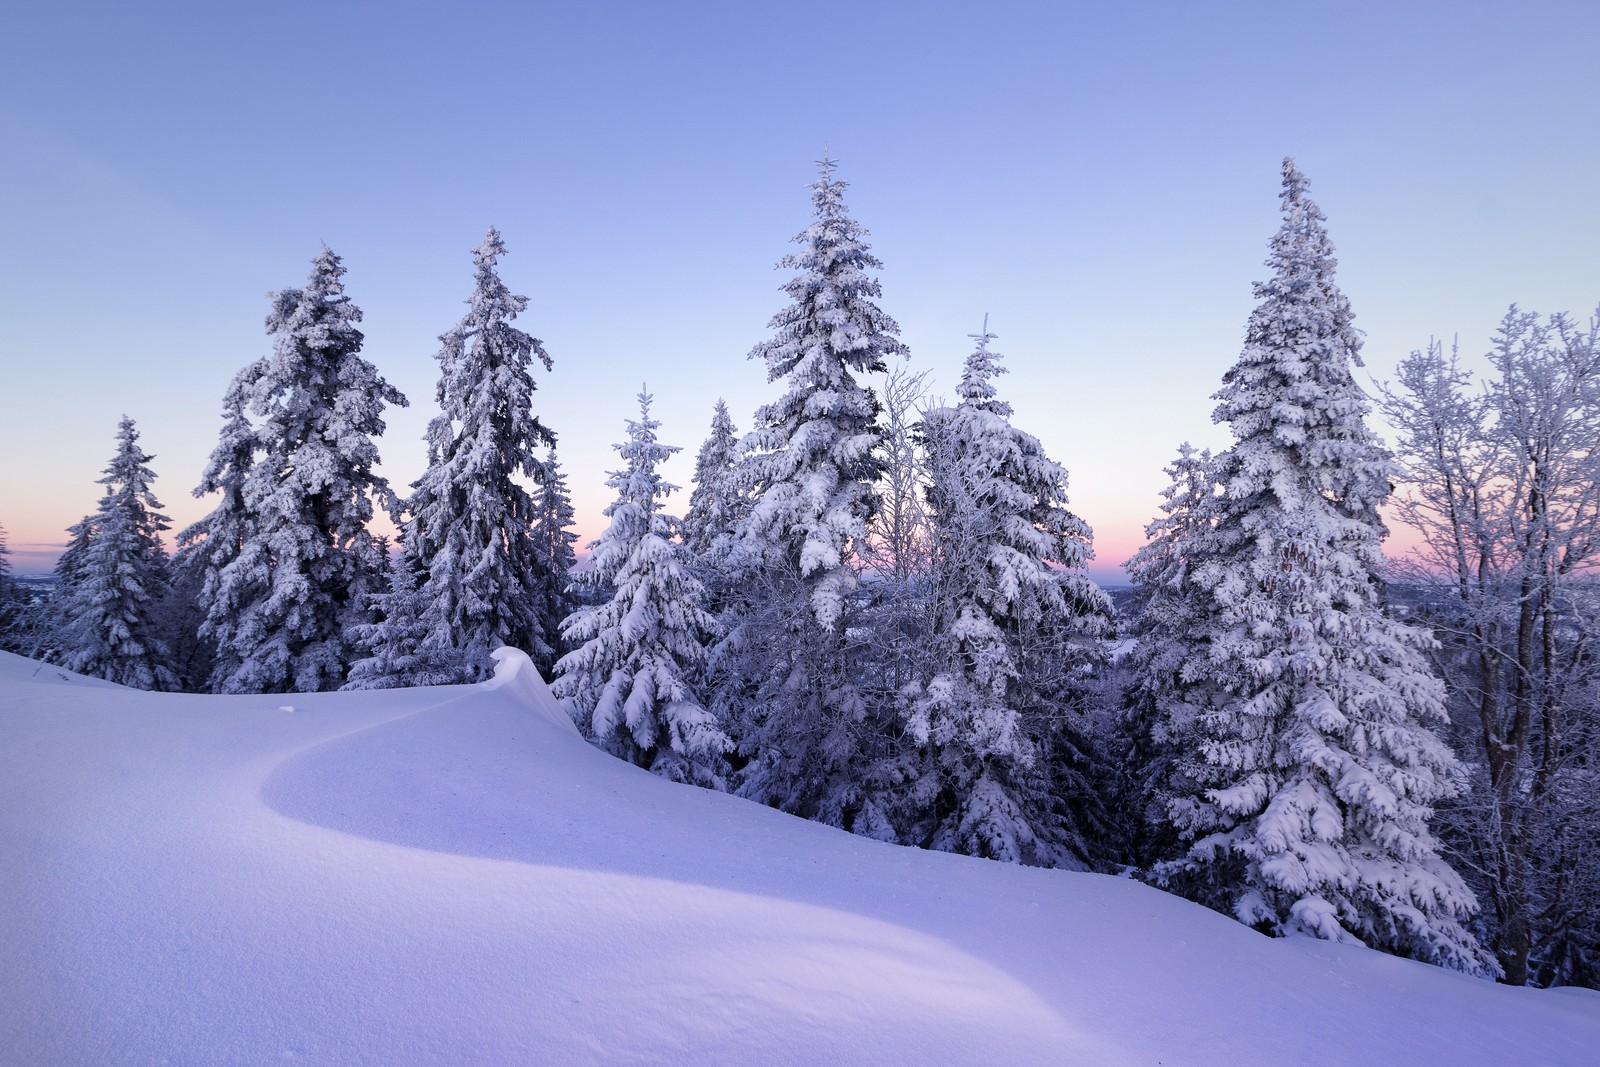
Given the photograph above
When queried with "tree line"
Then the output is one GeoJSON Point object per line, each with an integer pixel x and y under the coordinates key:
{"type": "Point", "coordinates": [874, 611]}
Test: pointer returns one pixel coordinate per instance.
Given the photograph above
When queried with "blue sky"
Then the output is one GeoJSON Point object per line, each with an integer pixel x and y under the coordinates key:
{"type": "Point", "coordinates": [1101, 180]}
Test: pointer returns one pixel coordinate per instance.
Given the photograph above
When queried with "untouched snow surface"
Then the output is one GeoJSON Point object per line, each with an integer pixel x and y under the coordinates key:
{"type": "Point", "coordinates": [451, 875]}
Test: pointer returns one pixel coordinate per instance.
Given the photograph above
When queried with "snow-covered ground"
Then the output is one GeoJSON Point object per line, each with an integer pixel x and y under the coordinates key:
{"type": "Point", "coordinates": [453, 876]}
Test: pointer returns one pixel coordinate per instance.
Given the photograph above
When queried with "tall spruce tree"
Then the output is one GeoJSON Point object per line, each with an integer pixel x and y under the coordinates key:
{"type": "Point", "coordinates": [635, 672]}
{"type": "Point", "coordinates": [1317, 769]}
{"type": "Point", "coordinates": [295, 564]}
{"type": "Point", "coordinates": [471, 525]}
{"type": "Point", "coordinates": [1008, 563]}
{"type": "Point", "coordinates": [803, 721]}
{"type": "Point", "coordinates": [107, 608]}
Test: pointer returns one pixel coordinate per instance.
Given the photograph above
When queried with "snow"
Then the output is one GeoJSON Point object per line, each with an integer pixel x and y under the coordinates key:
{"type": "Point", "coordinates": [451, 875]}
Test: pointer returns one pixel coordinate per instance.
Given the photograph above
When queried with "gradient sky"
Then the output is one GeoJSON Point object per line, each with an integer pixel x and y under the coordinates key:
{"type": "Point", "coordinates": [1100, 179]}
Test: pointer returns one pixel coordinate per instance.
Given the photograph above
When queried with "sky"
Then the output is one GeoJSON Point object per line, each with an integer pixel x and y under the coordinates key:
{"type": "Point", "coordinates": [1099, 179]}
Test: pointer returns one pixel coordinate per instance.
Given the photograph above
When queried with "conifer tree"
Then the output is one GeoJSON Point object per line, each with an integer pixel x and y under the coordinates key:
{"type": "Point", "coordinates": [552, 531]}
{"type": "Point", "coordinates": [21, 614]}
{"type": "Point", "coordinates": [394, 656]}
{"type": "Point", "coordinates": [803, 721]}
{"type": "Point", "coordinates": [69, 565]}
{"type": "Point", "coordinates": [118, 576]}
{"type": "Point", "coordinates": [633, 676]}
{"type": "Point", "coordinates": [48, 625]}
{"type": "Point", "coordinates": [11, 601]}
{"type": "Point", "coordinates": [1008, 562]}
{"type": "Point", "coordinates": [204, 565]}
{"type": "Point", "coordinates": [716, 506]}
{"type": "Point", "coordinates": [471, 530]}
{"type": "Point", "coordinates": [1317, 766]}
{"type": "Point", "coordinates": [282, 609]}
{"type": "Point", "coordinates": [1163, 707]}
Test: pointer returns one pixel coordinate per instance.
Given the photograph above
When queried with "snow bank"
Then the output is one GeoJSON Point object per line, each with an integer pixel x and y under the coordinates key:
{"type": "Point", "coordinates": [452, 875]}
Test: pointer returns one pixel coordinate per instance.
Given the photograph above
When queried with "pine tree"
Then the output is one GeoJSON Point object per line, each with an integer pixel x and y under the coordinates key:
{"type": "Point", "coordinates": [178, 620]}
{"type": "Point", "coordinates": [716, 506]}
{"type": "Point", "coordinates": [1160, 704]}
{"type": "Point", "coordinates": [282, 609]}
{"type": "Point", "coordinates": [204, 566]}
{"type": "Point", "coordinates": [471, 530]}
{"type": "Point", "coordinates": [47, 627]}
{"type": "Point", "coordinates": [1318, 768]}
{"type": "Point", "coordinates": [12, 601]}
{"type": "Point", "coordinates": [790, 662]}
{"type": "Point", "coordinates": [69, 565]}
{"type": "Point", "coordinates": [394, 656]}
{"type": "Point", "coordinates": [1008, 563]}
{"type": "Point", "coordinates": [552, 532]}
{"type": "Point", "coordinates": [633, 677]}
{"type": "Point", "coordinates": [118, 576]}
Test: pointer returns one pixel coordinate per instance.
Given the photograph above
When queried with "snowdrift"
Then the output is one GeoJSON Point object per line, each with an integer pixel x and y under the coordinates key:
{"type": "Point", "coordinates": [451, 876]}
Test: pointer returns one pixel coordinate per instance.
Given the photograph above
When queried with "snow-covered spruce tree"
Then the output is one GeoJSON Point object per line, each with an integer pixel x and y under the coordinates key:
{"type": "Point", "coordinates": [178, 620]}
{"type": "Point", "coordinates": [789, 665]}
{"type": "Point", "coordinates": [552, 531]}
{"type": "Point", "coordinates": [203, 565]}
{"type": "Point", "coordinates": [392, 645]}
{"type": "Point", "coordinates": [13, 602]}
{"type": "Point", "coordinates": [289, 560]}
{"type": "Point", "coordinates": [1318, 768]}
{"type": "Point", "coordinates": [47, 627]}
{"type": "Point", "coordinates": [8, 598]}
{"type": "Point", "coordinates": [716, 505]}
{"type": "Point", "coordinates": [107, 609]}
{"type": "Point", "coordinates": [69, 565]}
{"type": "Point", "coordinates": [633, 677]}
{"type": "Point", "coordinates": [471, 525]}
{"type": "Point", "coordinates": [1008, 562]}
{"type": "Point", "coordinates": [1164, 701]}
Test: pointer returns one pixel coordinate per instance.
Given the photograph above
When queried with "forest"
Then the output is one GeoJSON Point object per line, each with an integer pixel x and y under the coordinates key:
{"type": "Point", "coordinates": [873, 610]}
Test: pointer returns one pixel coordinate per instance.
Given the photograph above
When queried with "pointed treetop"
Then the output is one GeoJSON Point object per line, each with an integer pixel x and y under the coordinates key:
{"type": "Point", "coordinates": [1302, 218]}
{"type": "Point", "coordinates": [1294, 183]}
{"type": "Point", "coordinates": [326, 264]}
{"type": "Point", "coordinates": [975, 389]}
{"type": "Point", "coordinates": [129, 474]}
{"type": "Point", "coordinates": [827, 201]}
{"type": "Point", "coordinates": [983, 337]}
{"type": "Point", "coordinates": [323, 290]}
{"type": "Point", "coordinates": [486, 254]}
{"type": "Point", "coordinates": [644, 398]}
{"type": "Point", "coordinates": [1292, 394]}
{"type": "Point", "coordinates": [642, 431]}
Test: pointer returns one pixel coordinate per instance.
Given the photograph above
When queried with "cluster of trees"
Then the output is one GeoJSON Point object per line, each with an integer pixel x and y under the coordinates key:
{"type": "Point", "coordinates": [874, 611]}
{"type": "Point", "coordinates": [1503, 484]}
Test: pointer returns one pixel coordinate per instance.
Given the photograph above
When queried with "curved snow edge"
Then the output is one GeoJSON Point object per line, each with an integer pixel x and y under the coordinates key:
{"type": "Point", "coordinates": [515, 673]}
